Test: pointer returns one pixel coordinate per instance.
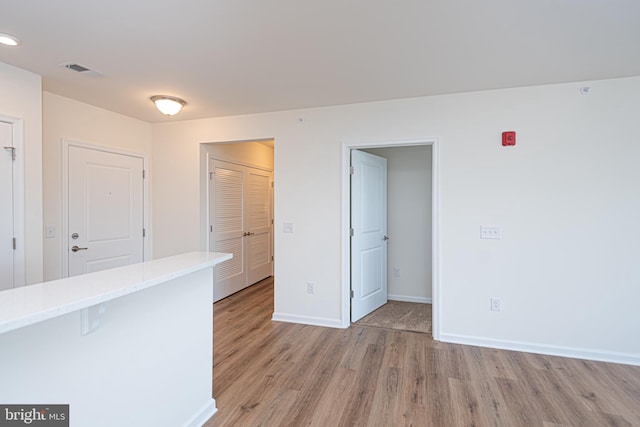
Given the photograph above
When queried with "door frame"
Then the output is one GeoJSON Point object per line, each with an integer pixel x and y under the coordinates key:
{"type": "Point", "coordinates": [19, 254]}
{"type": "Point", "coordinates": [347, 146]}
{"type": "Point", "coordinates": [65, 143]}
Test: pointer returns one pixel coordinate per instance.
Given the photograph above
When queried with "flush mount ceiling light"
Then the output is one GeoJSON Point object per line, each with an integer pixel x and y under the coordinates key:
{"type": "Point", "coordinates": [9, 40]}
{"type": "Point", "coordinates": [169, 105]}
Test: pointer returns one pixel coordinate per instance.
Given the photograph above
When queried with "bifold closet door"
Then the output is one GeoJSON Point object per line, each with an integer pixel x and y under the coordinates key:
{"type": "Point", "coordinates": [259, 257]}
{"type": "Point", "coordinates": [240, 223]}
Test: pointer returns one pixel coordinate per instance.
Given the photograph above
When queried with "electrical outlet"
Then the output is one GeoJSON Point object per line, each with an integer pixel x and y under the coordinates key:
{"type": "Point", "coordinates": [490, 232]}
{"type": "Point", "coordinates": [396, 272]}
{"type": "Point", "coordinates": [50, 232]}
{"type": "Point", "coordinates": [311, 288]}
{"type": "Point", "coordinates": [496, 304]}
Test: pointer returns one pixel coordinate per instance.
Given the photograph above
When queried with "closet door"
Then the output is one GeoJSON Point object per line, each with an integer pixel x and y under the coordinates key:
{"type": "Point", "coordinates": [259, 225]}
{"type": "Point", "coordinates": [240, 223]}
{"type": "Point", "coordinates": [227, 225]}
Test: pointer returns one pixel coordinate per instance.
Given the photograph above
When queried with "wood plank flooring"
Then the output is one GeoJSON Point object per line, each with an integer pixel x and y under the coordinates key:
{"type": "Point", "coordinates": [280, 374]}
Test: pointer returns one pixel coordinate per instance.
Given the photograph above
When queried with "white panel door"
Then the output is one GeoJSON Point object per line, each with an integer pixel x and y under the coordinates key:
{"type": "Point", "coordinates": [105, 210]}
{"type": "Point", "coordinates": [369, 240]}
{"type": "Point", "coordinates": [6, 207]}
{"type": "Point", "coordinates": [259, 225]}
{"type": "Point", "coordinates": [227, 225]}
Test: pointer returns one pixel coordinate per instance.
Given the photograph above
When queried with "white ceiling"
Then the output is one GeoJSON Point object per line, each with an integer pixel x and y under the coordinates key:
{"type": "Point", "coordinates": [228, 57]}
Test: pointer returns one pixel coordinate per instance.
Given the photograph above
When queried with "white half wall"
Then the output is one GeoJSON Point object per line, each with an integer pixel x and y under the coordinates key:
{"type": "Point", "coordinates": [409, 221]}
{"type": "Point", "coordinates": [21, 98]}
{"type": "Point", "coordinates": [566, 197]}
{"type": "Point", "coordinates": [80, 122]}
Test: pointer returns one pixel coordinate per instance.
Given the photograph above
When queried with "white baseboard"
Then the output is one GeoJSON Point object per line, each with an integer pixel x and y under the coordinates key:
{"type": "Point", "coordinates": [307, 320]}
{"type": "Point", "coordinates": [404, 298]}
{"type": "Point", "coordinates": [203, 415]}
{"type": "Point", "coordinates": [552, 350]}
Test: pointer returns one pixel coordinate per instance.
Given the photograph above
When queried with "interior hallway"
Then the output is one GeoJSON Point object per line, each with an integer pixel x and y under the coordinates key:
{"type": "Point", "coordinates": [283, 374]}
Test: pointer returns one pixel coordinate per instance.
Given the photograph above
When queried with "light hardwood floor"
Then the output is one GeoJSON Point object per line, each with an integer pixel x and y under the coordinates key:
{"type": "Point", "coordinates": [280, 374]}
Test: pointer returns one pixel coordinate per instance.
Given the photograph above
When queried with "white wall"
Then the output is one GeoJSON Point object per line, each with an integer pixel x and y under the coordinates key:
{"type": "Point", "coordinates": [67, 118]}
{"type": "Point", "coordinates": [408, 221]}
{"type": "Point", "coordinates": [566, 197]}
{"type": "Point", "coordinates": [21, 98]}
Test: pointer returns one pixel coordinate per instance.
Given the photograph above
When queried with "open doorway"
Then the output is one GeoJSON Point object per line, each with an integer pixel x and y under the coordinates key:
{"type": "Point", "coordinates": [408, 267]}
{"type": "Point", "coordinates": [412, 271]}
{"type": "Point", "coordinates": [238, 211]}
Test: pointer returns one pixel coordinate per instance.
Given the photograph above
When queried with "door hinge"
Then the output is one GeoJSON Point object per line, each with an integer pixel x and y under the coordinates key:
{"type": "Point", "coordinates": [14, 243]}
{"type": "Point", "coordinates": [272, 184]}
{"type": "Point", "coordinates": [351, 170]}
{"type": "Point", "coordinates": [144, 174]}
{"type": "Point", "coordinates": [144, 232]}
{"type": "Point", "coordinates": [351, 232]}
{"type": "Point", "coordinates": [272, 222]}
{"type": "Point", "coordinates": [352, 294]}
{"type": "Point", "coordinates": [211, 228]}
{"type": "Point", "coordinates": [210, 176]}
{"type": "Point", "coordinates": [271, 257]}
{"type": "Point", "coordinates": [13, 152]}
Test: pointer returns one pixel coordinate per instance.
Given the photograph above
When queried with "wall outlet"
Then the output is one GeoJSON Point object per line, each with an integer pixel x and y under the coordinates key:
{"type": "Point", "coordinates": [50, 232]}
{"type": "Point", "coordinates": [311, 288]}
{"type": "Point", "coordinates": [396, 272]}
{"type": "Point", "coordinates": [496, 304]}
{"type": "Point", "coordinates": [490, 232]}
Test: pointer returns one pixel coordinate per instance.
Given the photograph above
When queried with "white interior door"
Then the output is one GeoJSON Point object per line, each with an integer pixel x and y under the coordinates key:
{"type": "Point", "coordinates": [369, 233]}
{"type": "Point", "coordinates": [259, 260]}
{"type": "Point", "coordinates": [105, 210]}
{"type": "Point", "coordinates": [6, 207]}
{"type": "Point", "coordinates": [227, 225]}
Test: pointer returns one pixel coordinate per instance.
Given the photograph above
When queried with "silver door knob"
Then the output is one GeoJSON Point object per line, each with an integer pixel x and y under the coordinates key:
{"type": "Point", "coordinates": [76, 249]}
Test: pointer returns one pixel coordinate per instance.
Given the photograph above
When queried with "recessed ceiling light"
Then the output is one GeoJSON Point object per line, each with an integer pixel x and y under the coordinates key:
{"type": "Point", "coordinates": [9, 40]}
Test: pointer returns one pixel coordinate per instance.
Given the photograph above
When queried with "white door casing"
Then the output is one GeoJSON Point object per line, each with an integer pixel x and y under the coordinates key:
{"type": "Point", "coordinates": [6, 206]}
{"type": "Point", "coordinates": [239, 223]}
{"type": "Point", "coordinates": [105, 210]}
{"type": "Point", "coordinates": [369, 240]}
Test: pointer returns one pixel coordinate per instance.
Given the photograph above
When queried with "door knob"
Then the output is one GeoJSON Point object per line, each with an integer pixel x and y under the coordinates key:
{"type": "Point", "coordinates": [385, 238]}
{"type": "Point", "coordinates": [76, 249]}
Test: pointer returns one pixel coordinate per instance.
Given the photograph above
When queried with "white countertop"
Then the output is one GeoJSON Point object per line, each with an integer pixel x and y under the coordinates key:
{"type": "Point", "coordinates": [27, 305]}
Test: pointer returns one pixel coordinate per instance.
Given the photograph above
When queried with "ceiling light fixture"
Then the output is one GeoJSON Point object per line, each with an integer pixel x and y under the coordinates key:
{"type": "Point", "coordinates": [169, 105]}
{"type": "Point", "coordinates": [9, 40]}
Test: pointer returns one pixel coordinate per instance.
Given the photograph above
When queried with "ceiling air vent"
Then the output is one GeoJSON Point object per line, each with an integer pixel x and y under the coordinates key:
{"type": "Point", "coordinates": [83, 70]}
{"type": "Point", "coordinates": [77, 67]}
